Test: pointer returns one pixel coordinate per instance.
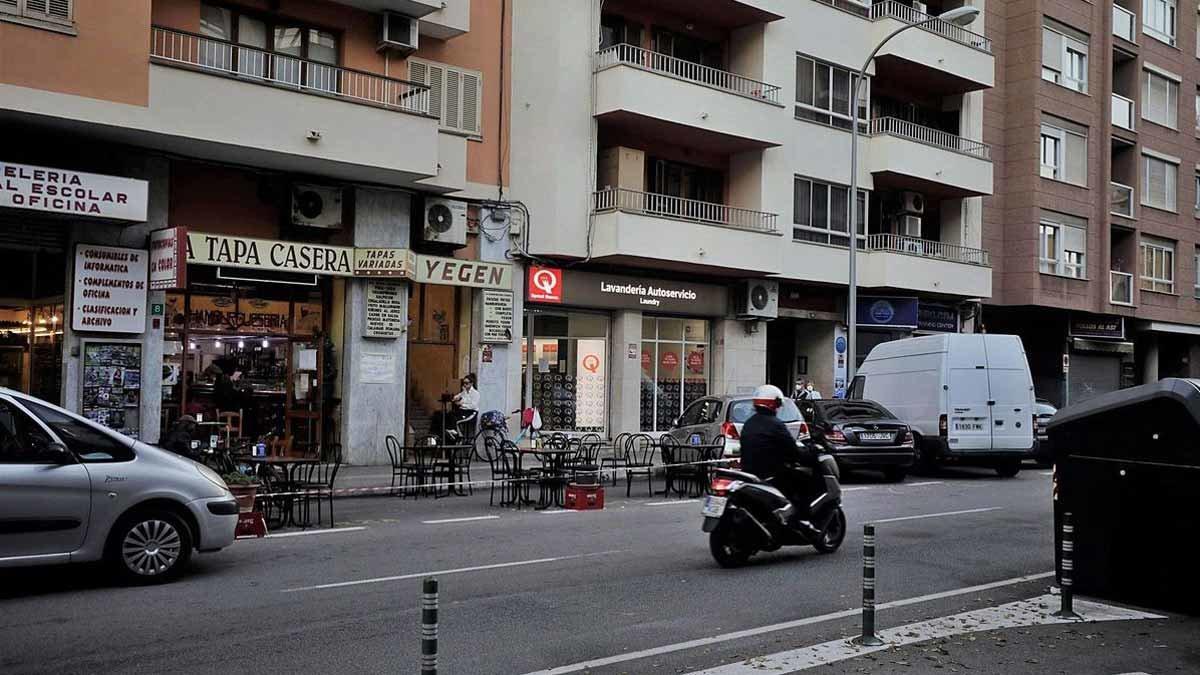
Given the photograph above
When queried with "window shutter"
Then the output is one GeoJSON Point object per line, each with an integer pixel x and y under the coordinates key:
{"type": "Point", "coordinates": [1052, 49]}
{"type": "Point", "coordinates": [1076, 159]}
{"type": "Point", "coordinates": [452, 117]}
{"type": "Point", "coordinates": [60, 9]}
{"type": "Point", "coordinates": [471, 102]}
{"type": "Point", "coordinates": [52, 9]}
{"type": "Point", "coordinates": [11, 6]}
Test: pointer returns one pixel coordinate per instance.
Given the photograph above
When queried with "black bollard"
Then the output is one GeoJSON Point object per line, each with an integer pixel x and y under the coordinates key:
{"type": "Point", "coordinates": [429, 627]}
{"type": "Point", "coordinates": [1067, 581]}
{"type": "Point", "coordinates": [868, 637]}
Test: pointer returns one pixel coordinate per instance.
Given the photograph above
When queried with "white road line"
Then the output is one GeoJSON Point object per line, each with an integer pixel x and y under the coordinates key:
{"type": "Point", "coordinates": [750, 632]}
{"type": "Point", "coordinates": [937, 515]}
{"type": "Point", "coordinates": [673, 502]}
{"type": "Point", "coordinates": [1033, 612]}
{"type": "Point", "coordinates": [458, 520]}
{"type": "Point", "coordinates": [550, 512]}
{"type": "Point", "coordinates": [458, 570]}
{"type": "Point", "coordinates": [928, 482]}
{"type": "Point", "coordinates": [854, 489]}
{"type": "Point", "coordinates": [306, 533]}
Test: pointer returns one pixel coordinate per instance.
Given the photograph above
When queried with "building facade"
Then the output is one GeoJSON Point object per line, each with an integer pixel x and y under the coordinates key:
{"type": "Point", "coordinates": [1092, 240]}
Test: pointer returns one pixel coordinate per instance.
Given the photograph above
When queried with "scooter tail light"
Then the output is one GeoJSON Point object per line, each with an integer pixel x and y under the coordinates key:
{"type": "Point", "coordinates": [728, 430]}
{"type": "Point", "coordinates": [720, 486]}
{"type": "Point", "coordinates": [836, 436]}
{"type": "Point", "coordinates": [804, 432]}
{"type": "Point", "coordinates": [943, 426]}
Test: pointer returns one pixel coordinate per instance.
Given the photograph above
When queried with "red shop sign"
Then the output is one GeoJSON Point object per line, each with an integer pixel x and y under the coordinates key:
{"type": "Point", "coordinates": [670, 360]}
{"type": "Point", "coordinates": [695, 361]}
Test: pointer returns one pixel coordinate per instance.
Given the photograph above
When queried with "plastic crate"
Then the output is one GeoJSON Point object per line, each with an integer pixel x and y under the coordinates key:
{"type": "Point", "coordinates": [584, 497]}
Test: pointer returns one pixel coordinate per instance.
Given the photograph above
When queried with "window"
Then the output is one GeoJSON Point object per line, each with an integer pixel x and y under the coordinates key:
{"type": "Point", "coordinates": [674, 369]}
{"type": "Point", "coordinates": [1158, 265]}
{"type": "Point", "coordinates": [821, 212]}
{"type": "Point", "coordinates": [742, 410]}
{"type": "Point", "coordinates": [1062, 245]}
{"type": "Point", "coordinates": [1196, 192]}
{"type": "Point", "coordinates": [22, 441]}
{"type": "Point", "coordinates": [570, 380]}
{"type": "Point", "coordinates": [1198, 106]}
{"type": "Point", "coordinates": [1160, 98]}
{"type": "Point", "coordinates": [1159, 181]}
{"type": "Point", "coordinates": [1064, 150]}
{"type": "Point", "coordinates": [1158, 20]}
{"type": "Point", "coordinates": [1196, 269]}
{"type": "Point", "coordinates": [1064, 55]}
{"type": "Point", "coordinates": [823, 94]}
{"type": "Point", "coordinates": [676, 179]}
{"type": "Point", "coordinates": [269, 48]}
{"type": "Point", "coordinates": [51, 11]}
{"type": "Point", "coordinates": [89, 442]}
{"type": "Point", "coordinates": [617, 30]}
{"type": "Point", "coordinates": [455, 94]}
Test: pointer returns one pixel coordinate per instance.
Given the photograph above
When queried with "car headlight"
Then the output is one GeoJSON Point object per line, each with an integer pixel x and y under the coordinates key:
{"type": "Point", "coordinates": [212, 476]}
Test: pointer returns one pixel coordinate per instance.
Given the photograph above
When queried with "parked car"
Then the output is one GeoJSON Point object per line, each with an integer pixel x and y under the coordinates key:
{"type": "Point", "coordinates": [1043, 412]}
{"type": "Point", "coordinates": [967, 397]}
{"type": "Point", "coordinates": [74, 491]}
{"type": "Point", "coordinates": [712, 416]}
{"type": "Point", "coordinates": [861, 435]}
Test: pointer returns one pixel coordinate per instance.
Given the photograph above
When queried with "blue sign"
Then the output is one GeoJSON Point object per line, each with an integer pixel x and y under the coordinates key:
{"type": "Point", "coordinates": [887, 312]}
{"type": "Point", "coordinates": [840, 344]}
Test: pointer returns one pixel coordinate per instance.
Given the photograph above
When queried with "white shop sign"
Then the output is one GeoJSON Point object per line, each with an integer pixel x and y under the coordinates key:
{"type": "Point", "coordinates": [497, 317]}
{"type": "Point", "coordinates": [109, 293]}
{"type": "Point", "coordinates": [40, 188]}
{"type": "Point", "coordinates": [590, 392]}
{"type": "Point", "coordinates": [385, 313]}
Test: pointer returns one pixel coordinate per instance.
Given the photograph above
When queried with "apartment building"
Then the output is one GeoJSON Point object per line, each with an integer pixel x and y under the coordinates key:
{"type": "Point", "coordinates": [1092, 240]}
{"type": "Point", "coordinates": [687, 167]}
{"type": "Point", "coordinates": [256, 212]}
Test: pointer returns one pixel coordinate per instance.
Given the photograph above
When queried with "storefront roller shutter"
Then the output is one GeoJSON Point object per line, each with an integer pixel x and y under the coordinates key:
{"type": "Point", "coordinates": [1091, 375]}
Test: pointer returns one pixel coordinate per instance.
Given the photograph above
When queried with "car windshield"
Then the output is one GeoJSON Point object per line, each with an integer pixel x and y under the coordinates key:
{"type": "Point", "coordinates": [844, 411]}
{"type": "Point", "coordinates": [742, 410]}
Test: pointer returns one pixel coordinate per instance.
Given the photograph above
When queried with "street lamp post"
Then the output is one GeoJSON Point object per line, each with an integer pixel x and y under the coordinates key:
{"type": "Point", "coordinates": [960, 16]}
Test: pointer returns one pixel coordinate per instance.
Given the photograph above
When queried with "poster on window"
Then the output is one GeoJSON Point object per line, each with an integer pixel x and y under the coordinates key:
{"type": "Point", "coordinates": [112, 383]}
{"type": "Point", "coordinates": [589, 389]}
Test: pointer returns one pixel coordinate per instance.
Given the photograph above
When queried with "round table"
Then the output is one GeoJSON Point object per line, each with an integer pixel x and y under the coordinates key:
{"type": "Point", "coordinates": [553, 481]}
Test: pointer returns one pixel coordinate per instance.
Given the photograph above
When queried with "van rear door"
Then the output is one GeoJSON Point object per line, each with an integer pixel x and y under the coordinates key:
{"type": "Point", "coordinates": [1012, 394]}
{"type": "Point", "coordinates": [969, 417]}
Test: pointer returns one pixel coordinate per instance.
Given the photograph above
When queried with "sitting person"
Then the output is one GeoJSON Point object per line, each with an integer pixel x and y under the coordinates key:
{"type": "Point", "coordinates": [464, 404]}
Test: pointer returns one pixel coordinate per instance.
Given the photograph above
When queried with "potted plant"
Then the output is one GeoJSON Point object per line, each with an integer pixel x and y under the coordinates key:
{"type": "Point", "coordinates": [244, 489]}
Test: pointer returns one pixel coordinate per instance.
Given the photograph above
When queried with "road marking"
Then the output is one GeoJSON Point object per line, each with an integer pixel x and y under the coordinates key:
{"type": "Point", "coordinates": [807, 621]}
{"type": "Point", "coordinates": [928, 482]}
{"type": "Point", "coordinates": [1047, 473]}
{"type": "Point", "coordinates": [457, 570]}
{"type": "Point", "coordinates": [673, 502]}
{"type": "Point", "coordinates": [938, 515]}
{"type": "Point", "coordinates": [1033, 612]}
{"type": "Point", "coordinates": [458, 520]}
{"type": "Point", "coordinates": [307, 533]}
{"type": "Point", "coordinates": [853, 489]}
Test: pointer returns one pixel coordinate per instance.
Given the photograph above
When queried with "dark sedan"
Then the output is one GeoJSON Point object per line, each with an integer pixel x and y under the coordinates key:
{"type": "Point", "coordinates": [861, 435]}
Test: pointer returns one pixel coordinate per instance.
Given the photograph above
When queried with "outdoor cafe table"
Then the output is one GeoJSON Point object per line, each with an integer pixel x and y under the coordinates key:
{"type": "Point", "coordinates": [685, 454]}
{"type": "Point", "coordinates": [554, 473]}
{"type": "Point", "coordinates": [287, 466]}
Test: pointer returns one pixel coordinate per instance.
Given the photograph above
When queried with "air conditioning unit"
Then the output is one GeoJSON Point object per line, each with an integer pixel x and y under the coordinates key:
{"type": "Point", "coordinates": [399, 33]}
{"type": "Point", "coordinates": [317, 206]}
{"type": "Point", "coordinates": [445, 222]}
{"type": "Point", "coordinates": [756, 299]}
{"type": "Point", "coordinates": [912, 202]}
{"type": "Point", "coordinates": [910, 226]}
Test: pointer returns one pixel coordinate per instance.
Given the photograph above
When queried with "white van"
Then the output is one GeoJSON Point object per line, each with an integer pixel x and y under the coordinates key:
{"type": "Point", "coordinates": [968, 397]}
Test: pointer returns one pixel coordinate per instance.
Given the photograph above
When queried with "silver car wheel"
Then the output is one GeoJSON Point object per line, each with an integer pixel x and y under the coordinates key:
{"type": "Point", "coordinates": [151, 547]}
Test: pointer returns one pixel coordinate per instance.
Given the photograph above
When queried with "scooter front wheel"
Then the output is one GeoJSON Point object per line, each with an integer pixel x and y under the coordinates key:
{"type": "Point", "coordinates": [835, 532]}
{"type": "Point", "coordinates": [724, 550]}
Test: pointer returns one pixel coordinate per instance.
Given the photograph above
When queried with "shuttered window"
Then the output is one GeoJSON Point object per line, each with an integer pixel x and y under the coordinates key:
{"type": "Point", "coordinates": [1160, 98]}
{"type": "Point", "coordinates": [1159, 179]}
{"type": "Point", "coordinates": [57, 11]}
{"type": "Point", "coordinates": [1158, 265]}
{"type": "Point", "coordinates": [1064, 150]}
{"type": "Point", "coordinates": [455, 94]}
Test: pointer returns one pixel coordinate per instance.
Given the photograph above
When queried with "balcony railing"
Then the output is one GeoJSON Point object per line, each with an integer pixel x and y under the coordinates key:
{"type": "Point", "coordinates": [229, 59]}
{"type": "Point", "coordinates": [926, 248]}
{"type": "Point", "coordinates": [631, 55]}
{"type": "Point", "coordinates": [1124, 23]}
{"type": "Point", "coordinates": [1120, 288]}
{"type": "Point", "coordinates": [1122, 112]}
{"type": "Point", "coordinates": [894, 126]}
{"type": "Point", "coordinates": [890, 9]}
{"type": "Point", "coordinates": [666, 206]}
{"type": "Point", "coordinates": [1121, 200]}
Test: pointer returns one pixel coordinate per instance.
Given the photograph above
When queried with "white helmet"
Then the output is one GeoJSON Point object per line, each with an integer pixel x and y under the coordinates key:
{"type": "Point", "coordinates": [768, 396]}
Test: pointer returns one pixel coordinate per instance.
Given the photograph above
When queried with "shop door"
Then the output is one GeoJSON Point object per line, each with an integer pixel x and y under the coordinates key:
{"type": "Point", "coordinates": [432, 351]}
{"type": "Point", "coordinates": [1091, 375]}
{"type": "Point", "coordinates": [304, 410]}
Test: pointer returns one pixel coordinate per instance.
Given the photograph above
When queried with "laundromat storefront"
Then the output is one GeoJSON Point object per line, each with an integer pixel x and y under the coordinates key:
{"type": "Point", "coordinates": [669, 350]}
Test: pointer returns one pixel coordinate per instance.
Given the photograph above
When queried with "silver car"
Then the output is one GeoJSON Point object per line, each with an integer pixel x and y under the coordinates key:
{"type": "Point", "coordinates": [74, 491]}
{"type": "Point", "coordinates": [712, 416]}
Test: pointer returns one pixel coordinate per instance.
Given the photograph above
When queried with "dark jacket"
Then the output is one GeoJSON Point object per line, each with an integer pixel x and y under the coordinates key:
{"type": "Point", "coordinates": [767, 445]}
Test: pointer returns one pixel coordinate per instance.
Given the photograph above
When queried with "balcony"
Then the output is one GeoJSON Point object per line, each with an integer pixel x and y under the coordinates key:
{"type": "Point", "coordinates": [689, 103]}
{"type": "Point", "coordinates": [910, 156]}
{"type": "Point", "coordinates": [1121, 200]}
{"type": "Point", "coordinates": [928, 249]}
{"type": "Point", "coordinates": [950, 58]}
{"type": "Point", "coordinates": [1124, 24]}
{"type": "Point", "coordinates": [897, 263]}
{"type": "Point", "coordinates": [1122, 112]}
{"type": "Point", "coordinates": [633, 225]}
{"type": "Point", "coordinates": [1120, 288]}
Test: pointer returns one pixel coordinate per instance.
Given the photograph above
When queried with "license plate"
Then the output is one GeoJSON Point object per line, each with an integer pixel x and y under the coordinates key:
{"type": "Point", "coordinates": [876, 436]}
{"type": "Point", "coordinates": [713, 506]}
{"type": "Point", "coordinates": [968, 426]}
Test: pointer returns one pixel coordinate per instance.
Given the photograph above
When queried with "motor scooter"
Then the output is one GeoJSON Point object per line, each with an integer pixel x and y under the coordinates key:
{"type": "Point", "coordinates": [744, 514]}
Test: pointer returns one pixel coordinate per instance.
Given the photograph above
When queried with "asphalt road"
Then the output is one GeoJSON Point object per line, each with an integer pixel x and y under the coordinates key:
{"type": "Point", "coordinates": [527, 591]}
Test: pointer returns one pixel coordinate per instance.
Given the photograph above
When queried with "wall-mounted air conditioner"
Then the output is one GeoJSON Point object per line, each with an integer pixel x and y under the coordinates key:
{"type": "Point", "coordinates": [399, 33]}
{"type": "Point", "coordinates": [756, 299]}
{"type": "Point", "coordinates": [445, 222]}
{"type": "Point", "coordinates": [912, 202]}
{"type": "Point", "coordinates": [317, 206]}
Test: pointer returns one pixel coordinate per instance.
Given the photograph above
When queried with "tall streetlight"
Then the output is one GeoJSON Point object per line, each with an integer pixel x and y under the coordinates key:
{"type": "Point", "coordinates": [960, 16]}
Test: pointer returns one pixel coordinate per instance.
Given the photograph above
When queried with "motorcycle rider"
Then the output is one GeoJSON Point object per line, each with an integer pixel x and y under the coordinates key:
{"type": "Point", "coordinates": [770, 452]}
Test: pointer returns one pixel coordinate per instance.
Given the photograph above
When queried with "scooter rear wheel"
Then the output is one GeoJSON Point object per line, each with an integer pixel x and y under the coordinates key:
{"type": "Point", "coordinates": [724, 550]}
{"type": "Point", "coordinates": [835, 532]}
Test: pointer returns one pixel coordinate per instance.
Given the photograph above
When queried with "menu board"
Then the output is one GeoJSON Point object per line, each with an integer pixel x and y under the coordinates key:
{"type": "Point", "coordinates": [112, 385]}
{"type": "Point", "coordinates": [109, 293]}
{"type": "Point", "coordinates": [497, 316]}
{"type": "Point", "coordinates": [385, 309]}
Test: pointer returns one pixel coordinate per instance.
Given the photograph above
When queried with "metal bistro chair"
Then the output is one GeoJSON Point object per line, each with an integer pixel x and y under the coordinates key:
{"type": "Point", "coordinates": [710, 453]}
{"type": "Point", "coordinates": [639, 459]}
{"type": "Point", "coordinates": [502, 457]}
{"type": "Point", "coordinates": [455, 469]}
{"type": "Point", "coordinates": [395, 451]}
{"type": "Point", "coordinates": [617, 460]}
{"type": "Point", "coordinates": [315, 482]}
{"type": "Point", "coordinates": [586, 464]}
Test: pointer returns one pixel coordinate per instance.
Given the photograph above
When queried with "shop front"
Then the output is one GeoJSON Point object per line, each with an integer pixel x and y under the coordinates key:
{"type": "Point", "coordinates": [1099, 358]}
{"type": "Point", "coordinates": [616, 352]}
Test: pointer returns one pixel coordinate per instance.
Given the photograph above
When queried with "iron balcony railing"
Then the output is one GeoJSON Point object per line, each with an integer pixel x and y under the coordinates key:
{"type": "Point", "coordinates": [894, 126]}
{"type": "Point", "coordinates": [631, 55]}
{"type": "Point", "coordinates": [180, 48]}
{"type": "Point", "coordinates": [1124, 23]}
{"type": "Point", "coordinates": [890, 9]}
{"type": "Point", "coordinates": [1120, 288]}
{"type": "Point", "coordinates": [926, 248]}
{"type": "Point", "coordinates": [666, 206]}
{"type": "Point", "coordinates": [1121, 200]}
{"type": "Point", "coordinates": [1122, 112]}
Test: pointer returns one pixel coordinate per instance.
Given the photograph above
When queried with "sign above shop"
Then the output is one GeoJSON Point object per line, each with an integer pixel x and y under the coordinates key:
{"type": "Point", "coordinates": [1095, 326]}
{"type": "Point", "coordinates": [38, 188]}
{"type": "Point", "coordinates": [590, 289]}
{"type": "Point", "coordinates": [454, 272]}
{"type": "Point", "coordinates": [109, 293]}
{"type": "Point", "coordinates": [383, 262]}
{"type": "Point", "coordinates": [937, 318]}
{"type": "Point", "coordinates": [385, 313]}
{"type": "Point", "coordinates": [887, 312]}
{"type": "Point", "coordinates": [497, 317]}
{"type": "Point", "coordinates": [266, 254]}
{"type": "Point", "coordinates": [168, 259]}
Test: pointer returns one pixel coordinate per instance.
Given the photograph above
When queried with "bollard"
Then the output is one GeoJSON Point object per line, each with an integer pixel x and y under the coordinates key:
{"type": "Point", "coordinates": [1067, 582]}
{"type": "Point", "coordinates": [868, 637]}
{"type": "Point", "coordinates": [429, 627]}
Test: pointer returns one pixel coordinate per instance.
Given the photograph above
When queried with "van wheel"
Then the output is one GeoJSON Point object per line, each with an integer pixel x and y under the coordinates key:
{"type": "Point", "coordinates": [149, 547]}
{"type": "Point", "coordinates": [1008, 469]}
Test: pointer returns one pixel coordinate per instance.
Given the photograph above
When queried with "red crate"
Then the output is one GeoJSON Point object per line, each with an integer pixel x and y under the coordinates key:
{"type": "Point", "coordinates": [251, 524]}
{"type": "Point", "coordinates": [584, 497]}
